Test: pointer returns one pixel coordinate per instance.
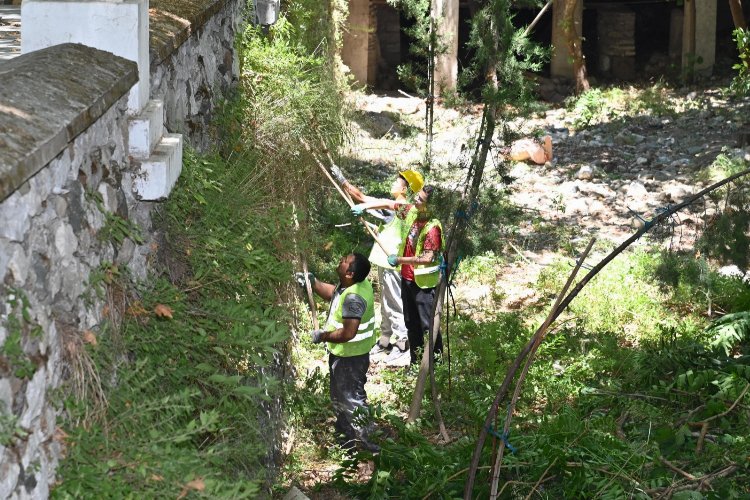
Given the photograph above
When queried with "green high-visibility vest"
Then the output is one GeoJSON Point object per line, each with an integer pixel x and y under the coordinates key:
{"type": "Point", "coordinates": [366, 336]}
{"type": "Point", "coordinates": [391, 236]}
{"type": "Point", "coordinates": [425, 275]}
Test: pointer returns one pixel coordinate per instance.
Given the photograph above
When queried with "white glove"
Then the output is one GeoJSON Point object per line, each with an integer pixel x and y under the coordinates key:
{"type": "Point", "coordinates": [338, 175]}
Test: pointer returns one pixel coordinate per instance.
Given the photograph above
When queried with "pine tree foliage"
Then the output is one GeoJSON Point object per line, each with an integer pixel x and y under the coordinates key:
{"type": "Point", "coordinates": [503, 53]}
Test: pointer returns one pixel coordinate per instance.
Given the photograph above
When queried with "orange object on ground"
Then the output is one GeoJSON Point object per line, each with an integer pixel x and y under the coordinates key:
{"type": "Point", "coordinates": [529, 149]}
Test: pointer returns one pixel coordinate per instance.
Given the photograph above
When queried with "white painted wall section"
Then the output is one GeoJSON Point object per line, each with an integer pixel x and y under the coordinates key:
{"type": "Point", "coordinates": [145, 129]}
{"type": "Point", "coordinates": [157, 175]}
{"type": "Point", "coordinates": [116, 26]}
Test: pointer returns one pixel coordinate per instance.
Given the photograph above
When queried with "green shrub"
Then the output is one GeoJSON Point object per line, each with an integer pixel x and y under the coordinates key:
{"type": "Point", "coordinates": [187, 373]}
{"type": "Point", "coordinates": [741, 82]}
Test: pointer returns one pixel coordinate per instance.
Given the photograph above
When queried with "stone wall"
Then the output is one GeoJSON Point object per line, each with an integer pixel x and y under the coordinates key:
{"type": "Point", "coordinates": [64, 109]}
{"type": "Point", "coordinates": [194, 64]}
{"type": "Point", "coordinates": [65, 189]}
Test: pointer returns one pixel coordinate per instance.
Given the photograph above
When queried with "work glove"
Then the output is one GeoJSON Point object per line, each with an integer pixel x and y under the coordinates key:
{"type": "Point", "coordinates": [358, 210]}
{"type": "Point", "coordinates": [317, 336]}
{"type": "Point", "coordinates": [393, 260]}
{"type": "Point", "coordinates": [338, 175]}
{"type": "Point", "coordinates": [300, 279]}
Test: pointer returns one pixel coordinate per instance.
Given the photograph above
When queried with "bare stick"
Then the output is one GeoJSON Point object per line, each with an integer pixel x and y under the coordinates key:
{"type": "Point", "coordinates": [736, 402]}
{"type": "Point", "coordinates": [537, 18]}
{"type": "Point", "coordinates": [344, 195]}
{"type": "Point", "coordinates": [704, 423]}
{"type": "Point", "coordinates": [540, 480]}
{"type": "Point", "coordinates": [538, 337]}
{"type": "Point", "coordinates": [572, 295]}
{"type": "Point", "coordinates": [676, 469]}
{"type": "Point", "coordinates": [310, 298]}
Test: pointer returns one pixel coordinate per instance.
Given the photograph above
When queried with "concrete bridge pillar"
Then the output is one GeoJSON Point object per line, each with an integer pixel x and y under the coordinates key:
{"type": "Point", "coordinates": [446, 65]}
{"type": "Point", "coordinates": [356, 52]}
{"type": "Point", "coordinates": [704, 36]}
{"type": "Point", "coordinates": [561, 64]}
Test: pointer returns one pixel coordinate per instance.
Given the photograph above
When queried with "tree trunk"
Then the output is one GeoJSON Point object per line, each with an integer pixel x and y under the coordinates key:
{"type": "Point", "coordinates": [575, 46]}
{"type": "Point", "coordinates": [737, 15]}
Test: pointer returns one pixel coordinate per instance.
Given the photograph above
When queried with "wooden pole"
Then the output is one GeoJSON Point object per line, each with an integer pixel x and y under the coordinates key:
{"type": "Point", "coordinates": [308, 287]}
{"type": "Point", "coordinates": [738, 16]}
{"type": "Point", "coordinates": [538, 337]}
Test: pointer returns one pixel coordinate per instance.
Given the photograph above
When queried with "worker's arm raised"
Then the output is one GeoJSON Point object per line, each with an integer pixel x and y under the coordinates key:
{"type": "Point", "coordinates": [324, 290]}
{"type": "Point", "coordinates": [374, 203]}
{"type": "Point", "coordinates": [350, 188]}
{"type": "Point", "coordinates": [355, 193]}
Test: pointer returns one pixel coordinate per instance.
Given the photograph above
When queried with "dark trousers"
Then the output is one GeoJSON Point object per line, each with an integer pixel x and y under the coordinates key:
{"type": "Point", "coordinates": [418, 315]}
{"type": "Point", "coordinates": [348, 378]}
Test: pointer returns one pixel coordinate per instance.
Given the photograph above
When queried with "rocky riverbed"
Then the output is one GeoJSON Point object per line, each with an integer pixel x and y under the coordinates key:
{"type": "Point", "coordinates": [618, 158]}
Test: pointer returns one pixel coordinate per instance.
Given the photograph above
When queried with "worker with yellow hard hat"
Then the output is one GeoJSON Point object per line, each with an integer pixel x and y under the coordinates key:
{"type": "Point", "coordinates": [393, 332]}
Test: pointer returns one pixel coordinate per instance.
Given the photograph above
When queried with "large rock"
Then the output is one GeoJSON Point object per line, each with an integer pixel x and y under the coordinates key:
{"type": "Point", "coordinates": [585, 173]}
{"type": "Point", "coordinates": [636, 195]}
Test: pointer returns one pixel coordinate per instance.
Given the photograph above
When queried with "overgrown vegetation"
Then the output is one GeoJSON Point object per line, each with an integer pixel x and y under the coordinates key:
{"type": "Point", "coordinates": [640, 391]}
{"type": "Point", "coordinates": [192, 359]}
{"type": "Point", "coordinates": [612, 407]}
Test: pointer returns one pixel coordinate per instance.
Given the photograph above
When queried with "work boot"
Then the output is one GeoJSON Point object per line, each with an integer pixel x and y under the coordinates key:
{"type": "Point", "coordinates": [402, 345]}
{"type": "Point", "coordinates": [397, 358]}
{"type": "Point", "coordinates": [379, 349]}
{"type": "Point", "coordinates": [384, 342]}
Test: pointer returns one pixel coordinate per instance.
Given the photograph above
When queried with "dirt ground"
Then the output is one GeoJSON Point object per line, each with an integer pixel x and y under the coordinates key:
{"type": "Point", "coordinates": [599, 178]}
{"type": "Point", "coordinates": [602, 180]}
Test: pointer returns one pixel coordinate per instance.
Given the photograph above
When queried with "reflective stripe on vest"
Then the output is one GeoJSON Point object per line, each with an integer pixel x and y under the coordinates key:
{"type": "Point", "coordinates": [363, 331]}
{"type": "Point", "coordinates": [366, 332]}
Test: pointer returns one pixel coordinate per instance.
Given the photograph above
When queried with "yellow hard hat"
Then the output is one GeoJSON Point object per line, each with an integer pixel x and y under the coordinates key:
{"type": "Point", "coordinates": [414, 178]}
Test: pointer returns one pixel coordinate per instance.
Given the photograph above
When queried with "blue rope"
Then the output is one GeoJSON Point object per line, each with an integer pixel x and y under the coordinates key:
{"type": "Point", "coordinates": [460, 214]}
{"type": "Point", "coordinates": [646, 223]}
{"type": "Point", "coordinates": [583, 264]}
{"type": "Point", "coordinates": [503, 437]}
{"type": "Point", "coordinates": [466, 215]}
{"type": "Point", "coordinates": [443, 266]}
{"type": "Point", "coordinates": [661, 210]}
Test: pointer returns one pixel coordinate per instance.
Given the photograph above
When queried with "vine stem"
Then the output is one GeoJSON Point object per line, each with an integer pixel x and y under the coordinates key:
{"type": "Point", "coordinates": [538, 337]}
{"type": "Point", "coordinates": [503, 390]}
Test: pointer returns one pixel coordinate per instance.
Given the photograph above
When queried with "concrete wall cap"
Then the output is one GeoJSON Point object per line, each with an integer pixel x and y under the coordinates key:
{"type": "Point", "coordinates": [171, 22]}
{"type": "Point", "coordinates": [49, 97]}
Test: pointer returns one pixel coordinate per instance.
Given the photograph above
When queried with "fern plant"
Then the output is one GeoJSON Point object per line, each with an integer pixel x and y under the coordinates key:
{"type": "Point", "coordinates": [730, 330]}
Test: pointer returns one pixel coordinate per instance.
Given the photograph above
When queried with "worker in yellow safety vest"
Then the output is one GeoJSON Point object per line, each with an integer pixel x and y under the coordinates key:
{"type": "Point", "coordinates": [349, 333]}
{"type": "Point", "coordinates": [393, 332]}
{"type": "Point", "coordinates": [419, 258]}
